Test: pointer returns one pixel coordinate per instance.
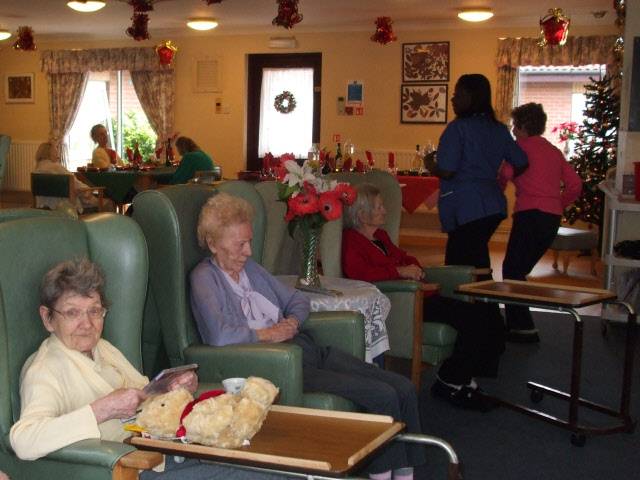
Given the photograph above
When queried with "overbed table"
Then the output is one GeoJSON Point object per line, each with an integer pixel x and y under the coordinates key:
{"type": "Point", "coordinates": [565, 299]}
{"type": "Point", "coordinates": [302, 441]}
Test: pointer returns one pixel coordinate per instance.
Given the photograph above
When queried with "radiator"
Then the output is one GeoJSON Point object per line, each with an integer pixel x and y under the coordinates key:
{"type": "Point", "coordinates": [20, 164]}
{"type": "Point", "coordinates": [381, 158]}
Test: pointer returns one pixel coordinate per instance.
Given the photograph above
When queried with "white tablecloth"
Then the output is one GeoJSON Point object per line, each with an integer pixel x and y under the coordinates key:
{"type": "Point", "coordinates": [356, 296]}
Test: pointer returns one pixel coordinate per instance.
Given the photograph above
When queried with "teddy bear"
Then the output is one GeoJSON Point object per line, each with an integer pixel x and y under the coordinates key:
{"type": "Point", "coordinates": [160, 414]}
{"type": "Point", "coordinates": [228, 421]}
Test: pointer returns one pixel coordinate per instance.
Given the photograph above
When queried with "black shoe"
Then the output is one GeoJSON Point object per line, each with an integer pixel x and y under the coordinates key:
{"type": "Point", "coordinates": [464, 397]}
{"type": "Point", "coordinates": [523, 336]}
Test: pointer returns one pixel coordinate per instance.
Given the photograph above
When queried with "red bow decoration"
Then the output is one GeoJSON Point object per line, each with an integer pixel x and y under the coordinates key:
{"type": "Point", "coordinates": [384, 32]}
{"type": "Point", "coordinates": [181, 432]}
{"type": "Point", "coordinates": [288, 14]}
{"type": "Point", "coordinates": [554, 28]}
{"type": "Point", "coordinates": [25, 39]}
{"type": "Point", "coordinates": [166, 51]}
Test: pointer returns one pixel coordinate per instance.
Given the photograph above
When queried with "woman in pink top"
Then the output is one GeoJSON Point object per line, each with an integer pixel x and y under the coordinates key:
{"type": "Point", "coordinates": [542, 193]}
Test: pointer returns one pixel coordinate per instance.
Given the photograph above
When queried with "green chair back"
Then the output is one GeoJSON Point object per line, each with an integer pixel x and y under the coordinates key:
{"type": "Point", "coordinates": [51, 185]}
{"type": "Point", "coordinates": [5, 142]}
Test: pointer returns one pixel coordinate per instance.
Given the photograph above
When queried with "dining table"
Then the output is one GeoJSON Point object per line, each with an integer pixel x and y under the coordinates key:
{"type": "Point", "coordinates": [118, 183]}
{"type": "Point", "coordinates": [418, 190]}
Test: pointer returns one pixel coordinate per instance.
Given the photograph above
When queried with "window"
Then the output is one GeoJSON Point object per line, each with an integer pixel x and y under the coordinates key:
{"type": "Point", "coordinates": [269, 130]}
{"type": "Point", "coordinates": [109, 98]}
{"type": "Point", "coordinates": [560, 90]}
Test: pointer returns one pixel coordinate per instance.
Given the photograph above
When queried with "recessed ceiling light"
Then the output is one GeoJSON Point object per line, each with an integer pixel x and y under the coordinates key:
{"type": "Point", "coordinates": [207, 23]}
{"type": "Point", "coordinates": [86, 5]}
{"type": "Point", "coordinates": [4, 34]}
{"type": "Point", "coordinates": [475, 14]}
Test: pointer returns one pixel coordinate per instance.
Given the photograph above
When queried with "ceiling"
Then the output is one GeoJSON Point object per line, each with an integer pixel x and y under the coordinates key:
{"type": "Point", "coordinates": [52, 19]}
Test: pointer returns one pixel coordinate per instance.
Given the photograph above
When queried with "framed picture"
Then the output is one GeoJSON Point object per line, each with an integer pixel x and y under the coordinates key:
{"type": "Point", "coordinates": [425, 103]}
{"type": "Point", "coordinates": [425, 62]}
{"type": "Point", "coordinates": [19, 88]}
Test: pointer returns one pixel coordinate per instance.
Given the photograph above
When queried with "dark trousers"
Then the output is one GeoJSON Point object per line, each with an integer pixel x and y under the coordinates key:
{"type": "Point", "coordinates": [469, 243]}
{"type": "Point", "coordinates": [330, 370]}
{"type": "Point", "coordinates": [480, 340]}
{"type": "Point", "coordinates": [532, 233]}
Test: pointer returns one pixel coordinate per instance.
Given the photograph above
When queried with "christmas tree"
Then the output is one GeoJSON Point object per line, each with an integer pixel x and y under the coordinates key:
{"type": "Point", "coordinates": [595, 149]}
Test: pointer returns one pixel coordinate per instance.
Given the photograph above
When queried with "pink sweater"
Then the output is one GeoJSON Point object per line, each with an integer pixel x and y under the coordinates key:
{"type": "Point", "coordinates": [549, 184]}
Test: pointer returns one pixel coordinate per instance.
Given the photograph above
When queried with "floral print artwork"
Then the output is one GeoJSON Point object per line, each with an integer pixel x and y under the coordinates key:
{"type": "Point", "coordinates": [423, 104]}
{"type": "Point", "coordinates": [425, 62]}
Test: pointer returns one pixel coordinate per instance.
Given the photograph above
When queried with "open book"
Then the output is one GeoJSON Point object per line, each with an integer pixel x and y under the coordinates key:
{"type": "Point", "coordinates": [161, 382]}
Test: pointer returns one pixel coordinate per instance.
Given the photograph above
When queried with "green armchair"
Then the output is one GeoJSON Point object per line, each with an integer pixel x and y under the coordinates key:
{"type": "Point", "coordinates": [168, 217]}
{"type": "Point", "coordinates": [32, 242]}
{"type": "Point", "coordinates": [423, 343]}
{"type": "Point", "coordinates": [5, 142]}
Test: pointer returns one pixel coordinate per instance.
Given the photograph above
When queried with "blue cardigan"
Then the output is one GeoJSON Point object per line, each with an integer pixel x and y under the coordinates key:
{"type": "Point", "coordinates": [217, 309]}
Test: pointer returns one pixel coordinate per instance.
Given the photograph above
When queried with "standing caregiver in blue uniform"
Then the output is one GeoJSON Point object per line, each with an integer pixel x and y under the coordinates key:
{"type": "Point", "coordinates": [471, 150]}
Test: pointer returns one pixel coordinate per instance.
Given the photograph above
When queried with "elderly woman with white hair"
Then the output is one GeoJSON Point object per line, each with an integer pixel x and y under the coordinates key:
{"type": "Point", "coordinates": [235, 300]}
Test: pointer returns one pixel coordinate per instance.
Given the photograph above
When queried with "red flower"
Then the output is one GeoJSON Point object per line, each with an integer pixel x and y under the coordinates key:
{"type": "Point", "coordinates": [279, 171]}
{"type": "Point", "coordinates": [302, 204]}
{"type": "Point", "coordinates": [330, 205]}
{"type": "Point", "coordinates": [346, 193]}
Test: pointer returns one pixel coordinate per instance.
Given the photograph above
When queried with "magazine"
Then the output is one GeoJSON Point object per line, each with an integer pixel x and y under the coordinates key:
{"type": "Point", "coordinates": [160, 383]}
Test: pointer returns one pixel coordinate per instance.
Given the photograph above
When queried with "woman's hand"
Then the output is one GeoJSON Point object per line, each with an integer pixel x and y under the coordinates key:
{"type": "Point", "coordinates": [121, 403]}
{"type": "Point", "coordinates": [412, 272]}
{"type": "Point", "coordinates": [188, 380]}
{"type": "Point", "coordinates": [284, 330]}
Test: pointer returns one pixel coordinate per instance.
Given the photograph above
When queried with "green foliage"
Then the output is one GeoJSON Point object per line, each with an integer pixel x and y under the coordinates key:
{"type": "Point", "coordinates": [595, 149]}
{"type": "Point", "coordinates": [137, 130]}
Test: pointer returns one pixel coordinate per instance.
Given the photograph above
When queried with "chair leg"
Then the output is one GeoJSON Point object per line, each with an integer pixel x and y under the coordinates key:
{"type": "Point", "coordinates": [416, 354]}
{"type": "Point", "coordinates": [566, 257]}
{"type": "Point", "coordinates": [555, 259]}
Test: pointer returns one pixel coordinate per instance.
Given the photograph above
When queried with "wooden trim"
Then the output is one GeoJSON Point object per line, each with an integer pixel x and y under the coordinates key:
{"type": "Point", "coordinates": [128, 466]}
{"type": "Point", "coordinates": [418, 325]}
{"type": "Point", "coordinates": [367, 417]}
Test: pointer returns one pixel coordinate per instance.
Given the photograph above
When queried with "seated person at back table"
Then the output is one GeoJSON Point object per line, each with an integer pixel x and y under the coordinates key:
{"type": "Point", "coordinates": [193, 160]}
{"type": "Point", "coordinates": [103, 156]}
{"type": "Point", "coordinates": [48, 161]}
{"type": "Point", "coordinates": [235, 300]}
{"type": "Point", "coordinates": [369, 254]}
{"type": "Point", "coordinates": [78, 386]}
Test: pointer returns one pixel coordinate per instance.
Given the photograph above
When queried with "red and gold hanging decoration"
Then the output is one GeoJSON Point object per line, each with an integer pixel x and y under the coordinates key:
{"type": "Point", "coordinates": [166, 51]}
{"type": "Point", "coordinates": [288, 14]}
{"type": "Point", "coordinates": [554, 28]}
{"type": "Point", "coordinates": [384, 32]}
{"type": "Point", "coordinates": [139, 29]}
{"type": "Point", "coordinates": [25, 39]}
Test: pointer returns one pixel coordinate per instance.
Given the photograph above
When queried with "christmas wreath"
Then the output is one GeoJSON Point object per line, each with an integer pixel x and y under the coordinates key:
{"type": "Point", "coordinates": [285, 102]}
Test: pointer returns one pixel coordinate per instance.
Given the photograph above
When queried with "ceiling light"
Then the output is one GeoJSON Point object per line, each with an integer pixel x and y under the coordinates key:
{"type": "Point", "coordinates": [475, 14]}
{"type": "Point", "coordinates": [4, 34]}
{"type": "Point", "coordinates": [86, 5]}
{"type": "Point", "coordinates": [207, 23]}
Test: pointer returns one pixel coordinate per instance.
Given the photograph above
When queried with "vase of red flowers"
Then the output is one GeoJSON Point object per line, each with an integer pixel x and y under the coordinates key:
{"type": "Point", "coordinates": [313, 199]}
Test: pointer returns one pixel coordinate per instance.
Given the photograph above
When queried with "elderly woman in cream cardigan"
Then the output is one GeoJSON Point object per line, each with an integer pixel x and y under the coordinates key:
{"type": "Point", "coordinates": [78, 386]}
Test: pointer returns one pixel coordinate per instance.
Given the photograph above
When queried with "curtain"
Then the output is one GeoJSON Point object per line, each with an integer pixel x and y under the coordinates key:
{"type": "Point", "coordinates": [517, 52]}
{"type": "Point", "coordinates": [101, 60]}
{"type": "Point", "coordinates": [155, 90]}
{"type": "Point", "coordinates": [65, 93]}
{"type": "Point", "coordinates": [286, 132]}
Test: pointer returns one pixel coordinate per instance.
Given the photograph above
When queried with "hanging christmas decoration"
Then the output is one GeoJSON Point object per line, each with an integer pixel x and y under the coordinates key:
{"type": "Point", "coordinates": [618, 47]}
{"type": "Point", "coordinates": [166, 51]}
{"type": "Point", "coordinates": [209, 2]}
{"type": "Point", "coordinates": [25, 39]}
{"type": "Point", "coordinates": [139, 29]}
{"type": "Point", "coordinates": [554, 28]}
{"type": "Point", "coordinates": [384, 32]}
{"type": "Point", "coordinates": [288, 14]}
{"type": "Point", "coordinates": [285, 102]}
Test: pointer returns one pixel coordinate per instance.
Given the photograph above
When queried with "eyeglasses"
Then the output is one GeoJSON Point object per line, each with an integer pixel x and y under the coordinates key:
{"type": "Point", "coordinates": [75, 314]}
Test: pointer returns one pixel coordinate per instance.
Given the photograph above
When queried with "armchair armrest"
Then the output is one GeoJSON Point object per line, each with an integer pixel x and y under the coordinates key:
{"type": "Point", "coordinates": [394, 286]}
{"type": "Point", "coordinates": [449, 277]}
{"type": "Point", "coordinates": [280, 363]}
{"type": "Point", "coordinates": [342, 329]}
{"type": "Point", "coordinates": [92, 452]}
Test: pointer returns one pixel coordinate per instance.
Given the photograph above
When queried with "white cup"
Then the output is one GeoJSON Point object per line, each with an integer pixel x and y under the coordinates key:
{"type": "Point", "coordinates": [233, 385]}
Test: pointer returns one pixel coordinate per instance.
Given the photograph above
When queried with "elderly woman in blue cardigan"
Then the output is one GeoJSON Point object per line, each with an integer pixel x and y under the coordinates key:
{"type": "Point", "coordinates": [235, 300]}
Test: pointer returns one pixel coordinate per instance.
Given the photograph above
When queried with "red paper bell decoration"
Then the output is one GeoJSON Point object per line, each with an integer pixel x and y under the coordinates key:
{"type": "Point", "coordinates": [25, 39]}
{"type": "Point", "coordinates": [288, 14]}
{"type": "Point", "coordinates": [166, 51]}
{"type": "Point", "coordinates": [384, 32]}
{"type": "Point", "coordinates": [554, 28]}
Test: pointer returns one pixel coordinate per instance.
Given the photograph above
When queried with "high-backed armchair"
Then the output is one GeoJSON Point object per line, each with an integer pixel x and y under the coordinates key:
{"type": "Point", "coordinates": [31, 245]}
{"type": "Point", "coordinates": [169, 218]}
{"type": "Point", "coordinates": [409, 337]}
{"type": "Point", "coordinates": [5, 142]}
